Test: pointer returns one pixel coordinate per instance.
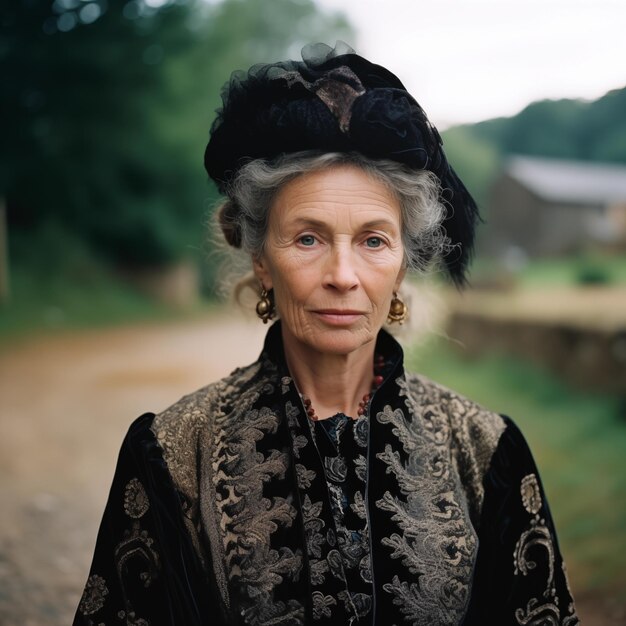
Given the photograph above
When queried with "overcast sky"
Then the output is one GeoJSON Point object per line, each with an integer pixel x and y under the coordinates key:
{"type": "Point", "coordinates": [469, 60]}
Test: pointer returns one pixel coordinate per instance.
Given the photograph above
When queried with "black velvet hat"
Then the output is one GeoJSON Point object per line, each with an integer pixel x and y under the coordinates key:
{"type": "Point", "coordinates": [336, 101]}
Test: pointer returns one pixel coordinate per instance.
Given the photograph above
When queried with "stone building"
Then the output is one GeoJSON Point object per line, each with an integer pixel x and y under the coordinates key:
{"type": "Point", "coordinates": [548, 207]}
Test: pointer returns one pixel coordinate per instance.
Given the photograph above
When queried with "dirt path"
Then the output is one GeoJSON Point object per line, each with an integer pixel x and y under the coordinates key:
{"type": "Point", "coordinates": [65, 404]}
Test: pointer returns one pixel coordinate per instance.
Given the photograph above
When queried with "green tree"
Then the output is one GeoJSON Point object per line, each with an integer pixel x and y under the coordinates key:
{"type": "Point", "coordinates": [106, 110]}
{"type": "Point", "coordinates": [568, 129]}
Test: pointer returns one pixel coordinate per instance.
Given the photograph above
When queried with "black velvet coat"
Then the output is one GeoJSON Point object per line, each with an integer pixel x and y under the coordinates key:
{"type": "Point", "coordinates": [220, 513]}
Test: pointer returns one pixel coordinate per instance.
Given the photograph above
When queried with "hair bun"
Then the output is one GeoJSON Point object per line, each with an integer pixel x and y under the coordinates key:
{"type": "Point", "coordinates": [227, 218]}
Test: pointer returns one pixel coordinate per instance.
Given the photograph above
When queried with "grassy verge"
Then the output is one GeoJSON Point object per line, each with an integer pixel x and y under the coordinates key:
{"type": "Point", "coordinates": [574, 270]}
{"type": "Point", "coordinates": [40, 305]}
{"type": "Point", "coordinates": [578, 440]}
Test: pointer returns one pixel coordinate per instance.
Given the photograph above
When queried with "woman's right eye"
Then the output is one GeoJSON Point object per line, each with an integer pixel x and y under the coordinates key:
{"type": "Point", "coordinates": [307, 240]}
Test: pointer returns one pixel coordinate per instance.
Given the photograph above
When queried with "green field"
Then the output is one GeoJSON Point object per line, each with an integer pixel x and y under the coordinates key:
{"type": "Point", "coordinates": [578, 440]}
{"type": "Point", "coordinates": [43, 306]}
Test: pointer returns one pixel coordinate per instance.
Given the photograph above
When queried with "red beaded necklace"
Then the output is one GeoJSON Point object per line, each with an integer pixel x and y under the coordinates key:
{"type": "Point", "coordinates": [377, 381]}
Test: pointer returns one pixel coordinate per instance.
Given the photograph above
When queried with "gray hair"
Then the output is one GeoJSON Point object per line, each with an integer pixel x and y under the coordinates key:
{"type": "Point", "coordinates": [418, 193]}
{"type": "Point", "coordinates": [243, 217]}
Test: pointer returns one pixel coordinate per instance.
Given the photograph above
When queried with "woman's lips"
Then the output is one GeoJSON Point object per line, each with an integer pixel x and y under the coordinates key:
{"type": "Point", "coordinates": [338, 317]}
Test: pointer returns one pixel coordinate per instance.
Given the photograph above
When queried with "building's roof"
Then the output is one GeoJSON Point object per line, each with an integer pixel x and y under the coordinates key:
{"type": "Point", "coordinates": [575, 182]}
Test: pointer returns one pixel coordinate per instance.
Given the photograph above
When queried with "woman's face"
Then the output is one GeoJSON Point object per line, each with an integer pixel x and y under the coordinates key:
{"type": "Point", "coordinates": [334, 257]}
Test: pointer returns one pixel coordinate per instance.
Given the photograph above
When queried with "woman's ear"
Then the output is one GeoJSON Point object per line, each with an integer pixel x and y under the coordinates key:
{"type": "Point", "coordinates": [400, 278]}
{"type": "Point", "coordinates": [260, 269]}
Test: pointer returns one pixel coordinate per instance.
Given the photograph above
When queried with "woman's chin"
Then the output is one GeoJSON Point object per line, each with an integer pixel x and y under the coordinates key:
{"type": "Point", "coordinates": [339, 340]}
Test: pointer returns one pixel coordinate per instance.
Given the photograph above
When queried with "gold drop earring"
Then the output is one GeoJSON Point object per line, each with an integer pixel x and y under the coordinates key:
{"type": "Point", "coordinates": [398, 310]}
{"type": "Point", "coordinates": [265, 307]}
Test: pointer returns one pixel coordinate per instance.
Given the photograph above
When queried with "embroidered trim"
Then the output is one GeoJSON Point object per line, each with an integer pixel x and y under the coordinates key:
{"type": "Point", "coordinates": [131, 619]}
{"type": "Point", "coordinates": [321, 605]}
{"type": "Point", "coordinates": [474, 433]}
{"type": "Point", "coordinates": [531, 496]}
{"type": "Point", "coordinates": [537, 535]}
{"type": "Point", "coordinates": [437, 543]}
{"type": "Point", "coordinates": [236, 516]}
{"type": "Point", "coordinates": [572, 618]}
{"type": "Point", "coordinates": [546, 610]}
{"type": "Point", "coordinates": [538, 615]}
{"type": "Point", "coordinates": [137, 543]}
{"type": "Point", "coordinates": [94, 595]}
{"type": "Point", "coordinates": [136, 502]}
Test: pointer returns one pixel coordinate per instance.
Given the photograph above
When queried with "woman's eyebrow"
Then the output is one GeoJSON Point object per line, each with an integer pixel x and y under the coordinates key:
{"type": "Point", "coordinates": [384, 222]}
{"type": "Point", "coordinates": [314, 223]}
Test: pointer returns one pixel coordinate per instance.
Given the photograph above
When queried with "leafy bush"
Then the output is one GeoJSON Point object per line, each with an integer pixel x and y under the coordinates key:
{"type": "Point", "coordinates": [590, 273]}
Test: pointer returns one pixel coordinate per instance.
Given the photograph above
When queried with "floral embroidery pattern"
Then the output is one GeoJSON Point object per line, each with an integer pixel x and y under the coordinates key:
{"type": "Point", "coordinates": [131, 619]}
{"type": "Point", "coordinates": [338, 440]}
{"type": "Point", "coordinates": [321, 605]}
{"type": "Point", "coordinates": [545, 614]}
{"type": "Point", "coordinates": [437, 542]}
{"type": "Point", "coordinates": [137, 544]}
{"type": "Point", "coordinates": [538, 614]}
{"type": "Point", "coordinates": [237, 517]}
{"type": "Point", "coordinates": [135, 499]}
{"type": "Point", "coordinates": [531, 496]}
{"type": "Point", "coordinates": [305, 476]}
{"type": "Point", "coordinates": [248, 518]}
{"type": "Point", "coordinates": [313, 526]}
{"type": "Point", "coordinates": [545, 611]}
{"type": "Point", "coordinates": [94, 595]}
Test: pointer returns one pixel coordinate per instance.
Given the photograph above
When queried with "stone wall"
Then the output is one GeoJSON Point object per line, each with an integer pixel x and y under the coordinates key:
{"type": "Point", "coordinates": [589, 357]}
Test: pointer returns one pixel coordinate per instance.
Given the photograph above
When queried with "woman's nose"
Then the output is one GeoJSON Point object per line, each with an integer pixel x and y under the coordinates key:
{"type": "Point", "coordinates": [340, 271]}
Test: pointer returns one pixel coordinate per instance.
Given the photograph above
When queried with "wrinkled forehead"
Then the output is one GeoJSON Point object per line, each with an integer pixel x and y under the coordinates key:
{"type": "Point", "coordinates": [341, 196]}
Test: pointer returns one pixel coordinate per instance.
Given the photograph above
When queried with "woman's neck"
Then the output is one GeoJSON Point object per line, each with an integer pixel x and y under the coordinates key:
{"type": "Point", "coordinates": [335, 383]}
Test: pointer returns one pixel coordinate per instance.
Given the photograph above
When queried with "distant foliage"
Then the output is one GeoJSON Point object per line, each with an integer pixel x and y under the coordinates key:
{"type": "Point", "coordinates": [106, 108]}
{"type": "Point", "coordinates": [567, 129]}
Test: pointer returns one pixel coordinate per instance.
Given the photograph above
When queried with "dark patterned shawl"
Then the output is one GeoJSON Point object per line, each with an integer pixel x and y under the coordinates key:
{"type": "Point", "coordinates": [220, 513]}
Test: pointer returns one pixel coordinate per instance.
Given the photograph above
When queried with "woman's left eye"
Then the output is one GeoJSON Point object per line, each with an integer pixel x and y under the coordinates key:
{"type": "Point", "coordinates": [307, 240]}
{"type": "Point", "coordinates": [373, 242]}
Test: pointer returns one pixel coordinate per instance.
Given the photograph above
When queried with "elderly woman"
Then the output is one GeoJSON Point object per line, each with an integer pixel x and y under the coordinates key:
{"type": "Point", "coordinates": [323, 484]}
